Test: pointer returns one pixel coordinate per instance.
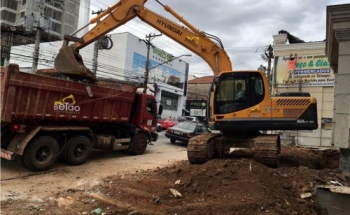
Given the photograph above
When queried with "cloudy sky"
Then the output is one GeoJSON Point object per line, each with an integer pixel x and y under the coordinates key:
{"type": "Point", "coordinates": [245, 27]}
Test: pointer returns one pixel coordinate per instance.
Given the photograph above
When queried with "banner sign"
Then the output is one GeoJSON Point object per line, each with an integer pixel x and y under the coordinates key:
{"type": "Point", "coordinates": [310, 70]}
{"type": "Point", "coordinates": [197, 107]}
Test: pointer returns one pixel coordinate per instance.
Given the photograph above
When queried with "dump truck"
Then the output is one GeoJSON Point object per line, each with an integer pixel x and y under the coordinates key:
{"type": "Point", "coordinates": [45, 118]}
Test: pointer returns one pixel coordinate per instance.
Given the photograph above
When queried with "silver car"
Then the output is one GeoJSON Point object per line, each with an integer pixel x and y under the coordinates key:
{"type": "Point", "coordinates": [192, 119]}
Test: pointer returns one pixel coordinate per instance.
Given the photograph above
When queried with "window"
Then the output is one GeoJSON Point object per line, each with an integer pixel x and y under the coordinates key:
{"type": "Point", "coordinates": [151, 107]}
{"type": "Point", "coordinates": [237, 91]}
{"type": "Point", "coordinates": [68, 29]}
{"type": "Point", "coordinates": [9, 4]}
{"type": "Point", "coordinates": [22, 14]}
{"type": "Point", "coordinates": [24, 2]}
{"type": "Point", "coordinates": [49, 12]}
{"type": "Point", "coordinates": [69, 19]}
{"type": "Point", "coordinates": [56, 27]}
{"type": "Point", "coordinates": [8, 16]}
{"type": "Point", "coordinates": [169, 101]}
{"type": "Point", "coordinates": [204, 128]}
{"type": "Point", "coordinates": [199, 129]}
{"type": "Point", "coordinates": [162, 73]}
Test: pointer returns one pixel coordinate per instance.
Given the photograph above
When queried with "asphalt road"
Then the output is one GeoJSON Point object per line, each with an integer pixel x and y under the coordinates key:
{"type": "Point", "coordinates": [18, 182]}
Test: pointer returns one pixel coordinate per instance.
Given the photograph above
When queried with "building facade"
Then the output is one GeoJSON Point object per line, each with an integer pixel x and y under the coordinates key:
{"type": "Point", "coordinates": [63, 15]}
{"type": "Point", "coordinates": [20, 18]}
{"type": "Point", "coordinates": [338, 53]}
{"type": "Point", "coordinates": [124, 60]}
{"type": "Point", "coordinates": [313, 75]}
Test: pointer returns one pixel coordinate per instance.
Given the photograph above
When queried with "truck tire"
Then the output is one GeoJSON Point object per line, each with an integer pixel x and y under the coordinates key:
{"type": "Point", "coordinates": [159, 129]}
{"type": "Point", "coordinates": [77, 150]}
{"type": "Point", "coordinates": [140, 144]}
{"type": "Point", "coordinates": [172, 140]}
{"type": "Point", "coordinates": [41, 153]}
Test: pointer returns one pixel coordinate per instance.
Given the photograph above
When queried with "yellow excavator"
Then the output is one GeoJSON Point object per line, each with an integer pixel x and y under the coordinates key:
{"type": "Point", "coordinates": [240, 104]}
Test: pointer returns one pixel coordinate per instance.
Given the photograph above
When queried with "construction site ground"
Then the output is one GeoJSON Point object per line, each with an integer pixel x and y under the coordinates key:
{"type": "Point", "coordinates": [231, 185]}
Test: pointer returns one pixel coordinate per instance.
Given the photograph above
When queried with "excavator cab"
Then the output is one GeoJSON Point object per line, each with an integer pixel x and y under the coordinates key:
{"type": "Point", "coordinates": [238, 91]}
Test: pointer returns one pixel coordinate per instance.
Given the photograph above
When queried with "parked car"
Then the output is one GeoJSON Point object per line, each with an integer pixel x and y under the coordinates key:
{"type": "Point", "coordinates": [184, 131]}
{"type": "Point", "coordinates": [159, 127]}
{"type": "Point", "coordinates": [167, 123]}
{"type": "Point", "coordinates": [192, 119]}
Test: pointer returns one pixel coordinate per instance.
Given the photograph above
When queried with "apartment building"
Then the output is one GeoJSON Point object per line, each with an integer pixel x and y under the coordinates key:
{"type": "Point", "coordinates": [61, 16]}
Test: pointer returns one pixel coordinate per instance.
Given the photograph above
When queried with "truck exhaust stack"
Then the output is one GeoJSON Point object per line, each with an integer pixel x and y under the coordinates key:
{"type": "Point", "coordinates": [70, 63]}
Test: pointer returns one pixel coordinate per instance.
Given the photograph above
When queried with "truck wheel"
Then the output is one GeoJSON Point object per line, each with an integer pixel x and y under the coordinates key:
{"type": "Point", "coordinates": [172, 140]}
{"type": "Point", "coordinates": [41, 153]}
{"type": "Point", "coordinates": [159, 129]}
{"type": "Point", "coordinates": [77, 150]}
{"type": "Point", "coordinates": [140, 145]}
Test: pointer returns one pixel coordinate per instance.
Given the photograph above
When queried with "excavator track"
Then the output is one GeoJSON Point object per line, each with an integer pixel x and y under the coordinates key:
{"type": "Point", "coordinates": [200, 149]}
{"type": "Point", "coordinates": [267, 150]}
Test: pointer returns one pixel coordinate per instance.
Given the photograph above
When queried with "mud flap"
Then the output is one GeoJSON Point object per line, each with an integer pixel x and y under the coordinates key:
{"type": "Point", "coordinates": [70, 63]}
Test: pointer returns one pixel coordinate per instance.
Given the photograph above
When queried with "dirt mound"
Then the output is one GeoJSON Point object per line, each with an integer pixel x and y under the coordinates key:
{"type": "Point", "coordinates": [233, 185]}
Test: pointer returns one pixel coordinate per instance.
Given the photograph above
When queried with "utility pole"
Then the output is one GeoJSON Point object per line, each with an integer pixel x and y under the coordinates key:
{"type": "Point", "coordinates": [268, 56]}
{"type": "Point", "coordinates": [37, 39]}
{"type": "Point", "coordinates": [96, 46]}
{"type": "Point", "coordinates": [148, 44]}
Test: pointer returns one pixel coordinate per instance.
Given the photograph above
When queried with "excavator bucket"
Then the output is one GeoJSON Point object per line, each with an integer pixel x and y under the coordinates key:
{"type": "Point", "coordinates": [70, 63]}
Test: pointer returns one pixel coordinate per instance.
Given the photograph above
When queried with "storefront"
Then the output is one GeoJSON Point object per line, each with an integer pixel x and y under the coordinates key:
{"type": "Point", "coordinates": [312, 74]}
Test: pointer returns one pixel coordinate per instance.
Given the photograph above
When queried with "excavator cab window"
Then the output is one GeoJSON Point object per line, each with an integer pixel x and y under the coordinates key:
{"type": "Point", "coordinates": [238, 91]}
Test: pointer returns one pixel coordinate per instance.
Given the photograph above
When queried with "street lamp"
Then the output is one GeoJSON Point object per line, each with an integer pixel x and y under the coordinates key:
{"type": "Point", "coordinates": [148, 69]}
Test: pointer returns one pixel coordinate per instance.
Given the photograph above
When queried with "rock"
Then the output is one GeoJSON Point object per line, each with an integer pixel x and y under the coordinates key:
{"type": "Point", "coordinates": [305, 195]}
{"type": "Point", "coordinates": [287, 186]}
{"type": "Point", "coordinates": [178, 182]}
{"type": "Point", "coordinates": [156, 200]}
{"type": "Point", "coordinates": [305, 189]}
{"type": "Point", "coordinates": [301, 201]}
{"type": "Point", "coordinates": [303, 168]}
{"type": "Point", "coordinates": [175, 193]}
{"type": "Point", "coordinates": [218, 172]}
{"type": "Point", "coordinates": [226, 163]}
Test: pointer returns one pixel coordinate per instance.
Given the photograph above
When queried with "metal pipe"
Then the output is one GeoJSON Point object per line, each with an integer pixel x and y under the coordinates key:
{"type": "Point", "coordinates": [180, 18]}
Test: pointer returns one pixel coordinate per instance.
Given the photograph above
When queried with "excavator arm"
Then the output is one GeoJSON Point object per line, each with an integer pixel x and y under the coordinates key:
{"type": "Point", "coordinates": [68, 60]}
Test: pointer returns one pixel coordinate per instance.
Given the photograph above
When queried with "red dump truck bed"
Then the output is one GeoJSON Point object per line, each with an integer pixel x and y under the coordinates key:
{"type": "Point", "coordinates": [27, 98]}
